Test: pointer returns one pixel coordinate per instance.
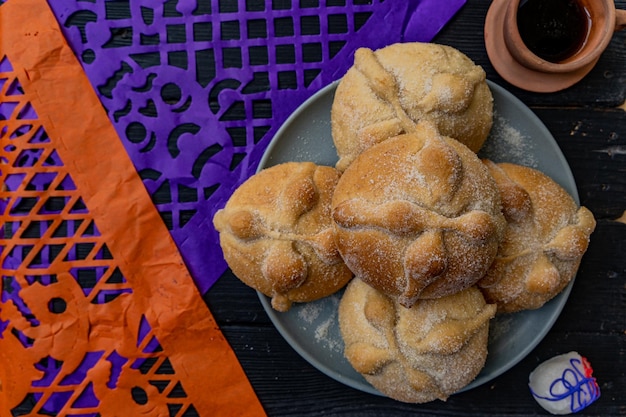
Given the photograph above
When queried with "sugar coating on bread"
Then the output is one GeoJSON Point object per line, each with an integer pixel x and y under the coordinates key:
{"type": "Point", "coordinates": [417, 354]}
{"type": "Point", "coordinates": [545, 239]}
{"type": "Point", "coordinates": [277, 236]}
{"type": "Point", "coordinates": [418, 216]}
{"type": "Point", "coordinates": [387, 91]}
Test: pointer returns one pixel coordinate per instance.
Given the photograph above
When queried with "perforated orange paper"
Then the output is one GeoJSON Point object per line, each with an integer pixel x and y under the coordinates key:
{"type": "Point", "coordinates": [99, 315]}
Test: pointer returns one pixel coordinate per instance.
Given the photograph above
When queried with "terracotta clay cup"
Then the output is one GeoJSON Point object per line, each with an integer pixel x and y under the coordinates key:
{"type": "Point", "coordinates": [604, 20]}
{"type": "Point", "coordinates": [512, 59]}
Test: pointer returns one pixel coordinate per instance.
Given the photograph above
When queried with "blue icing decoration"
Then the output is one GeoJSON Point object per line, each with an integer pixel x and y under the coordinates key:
{"type": "Point", "coordinates": [580, 387]}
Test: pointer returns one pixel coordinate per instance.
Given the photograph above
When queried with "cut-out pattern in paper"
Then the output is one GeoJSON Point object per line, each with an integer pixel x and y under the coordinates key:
{"type": "Point", "coordinates": [60, 284]}
{"type": "Point", "coordinates": [197, 88]}
{"type": "Point", "coordinates": [98, 314]}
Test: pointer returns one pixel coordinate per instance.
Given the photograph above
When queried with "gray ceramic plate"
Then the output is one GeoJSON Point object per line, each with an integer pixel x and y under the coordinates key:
{"type": "Point", "coordinates": [312, 329]}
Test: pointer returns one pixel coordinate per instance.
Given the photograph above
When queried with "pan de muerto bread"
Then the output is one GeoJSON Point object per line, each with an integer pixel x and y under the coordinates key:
{"type": "Point", "coordinates": [388, 90]}
{"type": "Point", "coordinates": [546, 237]}
{"type": "Point", "coordinates": [417, 354]}
{"type": "Point", "coordinates": [418, 216]}
{"type": "Point", "coordinates": [277, 235]}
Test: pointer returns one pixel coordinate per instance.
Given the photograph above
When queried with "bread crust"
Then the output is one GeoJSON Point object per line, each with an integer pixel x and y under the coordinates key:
{"type": "Point", "coordinates": [417, 354]}
{"type": "Point", "coordinates": [418, 216]}
{"type": "Point", "coordinates": [387, 91]}
{"type": "Point", "coordinates": [545, 239]}
{"type": "Point", "coordinates": [277, 236]}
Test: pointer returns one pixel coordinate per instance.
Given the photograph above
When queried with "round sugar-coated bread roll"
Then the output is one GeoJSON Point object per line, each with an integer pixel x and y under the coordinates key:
{"type": "Point", "coordinates": [387, 91]}
{"type": "Point", "coordinates": [417, 354]}
{"type": "Point", "coordinates": [546, 237]}
{"type": "Point", "coordinates": [418, 216]}
{"type": "Point", "coordinates": [277, 235]}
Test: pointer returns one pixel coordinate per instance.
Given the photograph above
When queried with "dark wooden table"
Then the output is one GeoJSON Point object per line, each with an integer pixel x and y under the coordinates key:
{"type": "Point", "coordinates": [588, 121]}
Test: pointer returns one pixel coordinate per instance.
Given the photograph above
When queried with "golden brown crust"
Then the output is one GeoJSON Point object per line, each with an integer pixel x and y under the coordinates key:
{"type": "Point", "coordinates": [546, 237]}
{"type": "Point", "coordinates": [418, 216]}
{"type": "Point", "coordinates": [417, 354]}
{"type": "Point", "coordinates": [277, 236]}
{"type": "Point", "coordinates": [388, 90]}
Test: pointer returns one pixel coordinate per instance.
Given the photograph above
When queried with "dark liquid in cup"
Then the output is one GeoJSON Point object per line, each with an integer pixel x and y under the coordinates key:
{"type": "Point", "coordinates": [553, 29]}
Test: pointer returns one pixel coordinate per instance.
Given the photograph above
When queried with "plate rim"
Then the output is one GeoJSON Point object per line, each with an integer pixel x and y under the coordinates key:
{"type": "Point", "coordinates": [560, 299]}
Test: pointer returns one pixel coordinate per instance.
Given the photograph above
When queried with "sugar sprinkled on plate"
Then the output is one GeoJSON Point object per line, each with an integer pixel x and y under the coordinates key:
{"type": "Point", "coordinates": [322, 316]}
{"type": "Point", "coordinates": [508, 144]}
{"type": "Point", "coordinates": [309, 312]}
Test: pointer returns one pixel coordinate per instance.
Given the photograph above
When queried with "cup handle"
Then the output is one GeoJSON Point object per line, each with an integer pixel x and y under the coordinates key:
{"type": "Point", "coordinates": [620, 19]}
